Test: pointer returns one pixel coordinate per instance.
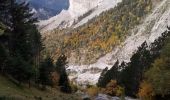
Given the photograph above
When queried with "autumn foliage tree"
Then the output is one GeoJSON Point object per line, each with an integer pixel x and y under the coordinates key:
{"type": "Point", "coordinates": [113, 89]}
{"type": "Point", "coordinates": [61, 69]}
{"type": "Point", "coordinates": [146, 91]}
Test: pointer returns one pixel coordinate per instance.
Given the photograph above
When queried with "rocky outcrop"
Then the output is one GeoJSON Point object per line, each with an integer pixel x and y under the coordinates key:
{"type": "Point", "coordinates": [77, 9]}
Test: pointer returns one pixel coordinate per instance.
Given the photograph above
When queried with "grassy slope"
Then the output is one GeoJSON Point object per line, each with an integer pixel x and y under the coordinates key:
{"type": "Point", "coordinates": [11, 91]}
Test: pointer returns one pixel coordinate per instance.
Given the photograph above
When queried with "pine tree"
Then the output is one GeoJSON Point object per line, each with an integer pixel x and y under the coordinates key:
{"type": "Point", "coordinates": [60, 68]}
{"type": "Point", "coordinates": [20, 69]}
{"type": "Point", "coordinates": [5, 11]}
{"type": "Point", "coordinates": [24, 40]}
{"type": "Point", "coordinates": [3, 58]}
{"type": "Point", "coordinates": [102, 75]}
{"type": "Point", "coordinates": [159, 73]}
{"type": "Point", "coordinates": [133, 73]}
{"type": "Point", "coordinates": [111, 74]}
{"type": "Point", "coordinates": [45, 71]}
{"type": "Point", "coordinates": [22, 31]}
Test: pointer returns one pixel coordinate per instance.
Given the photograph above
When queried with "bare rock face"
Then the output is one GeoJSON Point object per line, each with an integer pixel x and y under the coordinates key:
{"type": "Point", "coordinates": [77, 8]}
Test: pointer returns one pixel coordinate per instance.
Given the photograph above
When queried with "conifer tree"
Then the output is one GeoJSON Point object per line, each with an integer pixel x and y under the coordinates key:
{"type": "Point", "coordinates": [22, 25]}
{"type": "Point", "coordinates": [111, 74]}
{"type": "Point", "coordinates": [45, 71]}
{"type": "Point", "coordinates": [5, 11]}
{"type": "Point", "coordinates": [23, 37]}
{"type": "Point", "coordinates": [3, 58]}
{"type": "Point", "coordinates": [132, 73]}
{"type": "Point", "coordinates": [102, 75]}
{"type": "Point", "coordinates": [61, 69]}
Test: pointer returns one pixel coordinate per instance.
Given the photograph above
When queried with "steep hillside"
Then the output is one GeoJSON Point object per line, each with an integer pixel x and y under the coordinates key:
{"type": "Point", "coordinates": [115, 34]}
{"type": "Point", "coordinates": [151, 28]}
{"type": "Point", "coordinates": [99, 36]}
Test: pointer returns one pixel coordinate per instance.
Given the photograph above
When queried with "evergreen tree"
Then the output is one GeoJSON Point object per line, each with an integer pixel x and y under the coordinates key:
{"type": "Point", "coordinates": [111, 74]}
{"type": "Point", "coordinates": [22, 31]}
{"type": "Point", "coordinates": [132, 73]}
{"type": "Point", "coordinates": [102, 75]}
{"type": "Point", "coordinates": [45, 71]}
{"type": "Point", "coordinates": [159, 73]}
{"type": "Point", "coordinates": [5, 11]}
{"type": "Point", "coordinates": [60, 68]}
{"type": "Point", "coordinates": [20, 69]}
{"type": "Point", "coordinates": [3, 58]}
{"type": "Point", "coordinates": [23, 37]}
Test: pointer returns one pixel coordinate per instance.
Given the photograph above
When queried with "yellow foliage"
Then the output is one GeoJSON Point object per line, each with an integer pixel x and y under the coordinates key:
{"type": "Point", "coordinates": [159, 63]}
{"type": "Point", "coordinates": [159, 76]}
{"type": "Point", "coordinates": [112, 40]}
{"type": "Point", "coordinates": [93, 91]}
{"type": "Point", "coordinates": [113, 89]}
{"type": "Point", "coordinates": [119, 91]}
{"type": "Point", "coordinates": [146, 91]}
{"type": "Point", "coordinates": [74, 87]}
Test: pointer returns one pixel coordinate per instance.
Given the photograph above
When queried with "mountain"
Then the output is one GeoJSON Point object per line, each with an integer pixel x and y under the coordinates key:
{"type": "Point", "coordinates": [150, 29]}
{"type": "Point", "coordinates": [45, 9]}
{"type": "Point", "coordinates": [113, 35]}
{"type": "Point", "coordinates": [78, 13]}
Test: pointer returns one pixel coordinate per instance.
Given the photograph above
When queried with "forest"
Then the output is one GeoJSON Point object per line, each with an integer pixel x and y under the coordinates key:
{"type": "Point", "coordinates": [146, 76]}
{"type": "Point", "coordinates": [21, 60]}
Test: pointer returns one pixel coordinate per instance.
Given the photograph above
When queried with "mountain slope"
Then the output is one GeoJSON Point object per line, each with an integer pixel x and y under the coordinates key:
{"type": "Point", "coordinates": [152, 27]}
{"type": "Point", "coordinates": [85, 44]}
{"type": "Point", "coordinates": [115, 34]}
{"type": "Point", "coordinates": [79, 12]}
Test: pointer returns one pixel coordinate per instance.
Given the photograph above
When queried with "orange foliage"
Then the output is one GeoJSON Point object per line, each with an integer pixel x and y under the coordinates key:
{"type": "Point", "coordinates": [146, 91]}
{"type": "Point", "coordinates": [113, 89]}
{"type": "Point", "coordinates": [92, 91]}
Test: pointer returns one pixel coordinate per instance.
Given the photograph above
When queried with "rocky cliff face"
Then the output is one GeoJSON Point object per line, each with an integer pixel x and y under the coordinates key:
{"type": "Point", "coordinates": [77, 8]}
{"type": "Point", "coordinates": [150, 29]}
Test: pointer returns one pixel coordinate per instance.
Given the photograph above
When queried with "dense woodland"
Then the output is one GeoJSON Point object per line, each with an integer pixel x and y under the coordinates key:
{"type": "Point", "coordinates": [147, 74]}
{"type": "Point", "coordinates": [20, 50]}
{"type": "Point", "coordinates": [100, 35]}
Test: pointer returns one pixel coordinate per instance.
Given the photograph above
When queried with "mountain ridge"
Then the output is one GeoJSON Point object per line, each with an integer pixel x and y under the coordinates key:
{"type": "Point", "coordinates": [67, 18]}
